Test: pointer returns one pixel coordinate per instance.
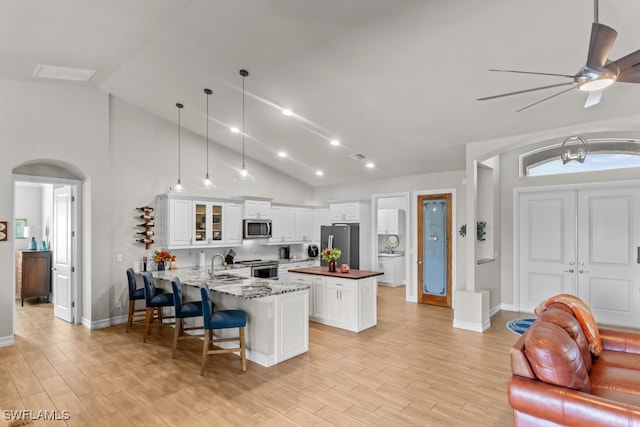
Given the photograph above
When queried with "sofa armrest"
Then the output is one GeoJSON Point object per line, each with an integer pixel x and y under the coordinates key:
{"type": "Point", "coordinates": [615, 340]}
{"type": "Point", "coordinates": [566, 406]}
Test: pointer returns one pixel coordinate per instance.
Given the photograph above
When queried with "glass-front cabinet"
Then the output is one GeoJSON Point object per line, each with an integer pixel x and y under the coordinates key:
{"type": "Point", "coordinates": [208, 222]}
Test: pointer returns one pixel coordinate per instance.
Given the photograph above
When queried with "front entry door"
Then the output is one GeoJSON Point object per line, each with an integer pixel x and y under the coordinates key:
{"type": "Point", "coordinates": [434, 249]}
{"type": "Point", "coordinates": [582, 242]}
{"type": "Point", "coordinates": [62, 255]}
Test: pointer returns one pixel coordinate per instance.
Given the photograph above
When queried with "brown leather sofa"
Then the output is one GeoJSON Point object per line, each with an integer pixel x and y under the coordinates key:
{"type": "Point", "coordinates": [556, 382]}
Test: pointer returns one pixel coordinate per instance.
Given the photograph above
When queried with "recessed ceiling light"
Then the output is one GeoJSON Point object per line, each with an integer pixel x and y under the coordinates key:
{"type": "Point", "coordinates": [282, 154]}
{"type": "Point", "coordinates": [334, 142]}
{"type": "Point", "coordinates": [234, 129]}
{"type": "Point", "coordinates": [63, 73]}
{"type": "Point", "coordinates": [319, 173]}
{"type": "Point", "coordinates": [287, 112]}
{"type": "Point", "coordinates": [371, 165]}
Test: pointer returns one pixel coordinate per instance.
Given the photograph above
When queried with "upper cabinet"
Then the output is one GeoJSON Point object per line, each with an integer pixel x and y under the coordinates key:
{"type": "Point", "coordinates": [345, 212]}
{"type": "Point", "coordinates": [390, 221]}
{"type": "Point", "coordinates": [257, 209]}
{"type": "Point", "coordinates": [182, 222]}
{"type": "Point", "coordinates": [303, 224]}
{"type": "Point", "coordinates": [283, 224]}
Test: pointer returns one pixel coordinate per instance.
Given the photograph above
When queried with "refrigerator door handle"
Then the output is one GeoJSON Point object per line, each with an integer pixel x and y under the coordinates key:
{"type": "Point", "coordinates": [330, 242]}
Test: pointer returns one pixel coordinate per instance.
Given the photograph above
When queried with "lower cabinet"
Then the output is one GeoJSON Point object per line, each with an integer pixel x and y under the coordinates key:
{"type": "Point", "coordinates": [342, 303]}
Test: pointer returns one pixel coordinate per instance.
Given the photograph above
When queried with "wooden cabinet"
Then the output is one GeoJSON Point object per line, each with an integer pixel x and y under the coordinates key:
{"type": "Point", "coordinates": [390, 221]}
{"type": "Point", "coordinates": [33, 274]}
{"type": "Point", "coordinates": [257, 209]}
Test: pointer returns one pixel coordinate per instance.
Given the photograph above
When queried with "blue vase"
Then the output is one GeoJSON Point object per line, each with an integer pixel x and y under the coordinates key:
{"type": "Point", "coordinates": [33, 245]}
{"type": "Point", "coordinates": [43, 246]}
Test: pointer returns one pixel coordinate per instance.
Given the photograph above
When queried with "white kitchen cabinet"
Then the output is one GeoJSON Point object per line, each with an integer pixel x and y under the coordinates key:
{"type": "Point", "coordinates": [393, 268]}
{"type": "Point", "coordinates": [321, 217]}
{"type": "Point", "coordinates": [343, 303]}
{"type": "Point", "coordinates": [282, 224]}
{"type": "Point", "coordinates": [183, 223]}
{"type": "Point", "coordinates": [208, 222]}
{"type": "Point", "coordinates": [345, 212]}
{"type": "Point", "coordinates": [233, 223]}
{"type": "Point", "coordinates": [303, 225]}
{"type": "Point", "coordinates": [390, 221]}
{"type": "Point", "coordinates": [257, 209]}
{"type": "Point", "coordinates": [292, 325]}
{"type": "Point", "coordinates": [177, 218]}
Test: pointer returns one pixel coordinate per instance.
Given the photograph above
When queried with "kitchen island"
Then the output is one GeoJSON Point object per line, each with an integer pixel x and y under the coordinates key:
{"type": "Point", "coordinates": [277, 313]}
{"type": "Point", "coordinates": [342, 300]}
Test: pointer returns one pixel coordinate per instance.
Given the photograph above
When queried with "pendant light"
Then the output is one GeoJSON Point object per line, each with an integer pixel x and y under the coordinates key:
{"type": "Point", "coordinates": [207, 183]}
{"type": "Point", "coordinates": [244, 175]}
{"type": "Point", "coordinates": [574, 148]}
{"type": "Point", "coordinates": [178, 188]}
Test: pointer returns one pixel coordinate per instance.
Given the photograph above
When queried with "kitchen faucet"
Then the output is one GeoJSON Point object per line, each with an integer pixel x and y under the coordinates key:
{"type": "Point", "coordinates": [213, 258]}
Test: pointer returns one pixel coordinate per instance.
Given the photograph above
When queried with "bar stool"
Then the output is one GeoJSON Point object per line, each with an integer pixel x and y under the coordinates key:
{"type": "Point", "coordinates": [222, 319]}
{"type": "Point", "coordinates": [135, 314]}
{"type": "Point", "coordinates": [155, 303]}
{"type": "Point", "coordinates": [183, 311]}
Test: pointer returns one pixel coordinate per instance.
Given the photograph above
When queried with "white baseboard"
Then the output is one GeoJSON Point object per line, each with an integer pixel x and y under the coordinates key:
{"type": "Point", "coordinates": [118, 320]}
{"type": "Point", "coordinates": [495, 310]}
{"type": "Point", "coordinates": [7, 341]}
{"type": "Point", "coordinates": [98, 324]}
{"type": "Point", "coordinates": [472, 326]}
{"type": "Point", "coordinates": [508, 307]}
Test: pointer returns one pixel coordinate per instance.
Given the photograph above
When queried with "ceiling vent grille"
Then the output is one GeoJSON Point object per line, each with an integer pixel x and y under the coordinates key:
{"type": "Point", "coordinates": [63, 73]}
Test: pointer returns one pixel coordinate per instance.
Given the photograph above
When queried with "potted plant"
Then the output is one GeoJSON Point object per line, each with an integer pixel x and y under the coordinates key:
{"type": "Point", "coordinates": [331, 255]}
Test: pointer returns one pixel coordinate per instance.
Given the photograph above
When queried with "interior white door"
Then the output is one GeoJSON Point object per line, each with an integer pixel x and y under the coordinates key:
{"type": "Point", "coordinates": [547, 246]}
{"type": "Point", "coordinates": [607, 270]}
{"type": "Point", "coordinates": [62, 253]}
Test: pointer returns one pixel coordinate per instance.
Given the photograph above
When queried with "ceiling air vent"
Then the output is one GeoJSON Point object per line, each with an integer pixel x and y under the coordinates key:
{"type": "Point", "coordinates": [63, 73]}
{"type": "Point", "coordinates": [357, 156]}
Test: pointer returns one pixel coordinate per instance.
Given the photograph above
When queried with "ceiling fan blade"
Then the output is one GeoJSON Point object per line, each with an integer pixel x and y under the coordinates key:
{"type": "Point", "coordinates": [628, 61]}
{"type": "Point", "coordinates": [548, 97]}
{"type": "Point", "coordinates": [593, 98]}
{"type": "Point", "coordinates": [526, 90]}
{"type": "Point", "coordinates": [630, 75]}
{"type": "Point", "coordinates": [602, 39]}
{"type": "Point", "coordinates": [533, 72]}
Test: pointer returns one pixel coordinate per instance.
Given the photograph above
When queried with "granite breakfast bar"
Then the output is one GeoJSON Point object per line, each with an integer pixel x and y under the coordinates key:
{"type": "Point", "coordinates": [277, 313]}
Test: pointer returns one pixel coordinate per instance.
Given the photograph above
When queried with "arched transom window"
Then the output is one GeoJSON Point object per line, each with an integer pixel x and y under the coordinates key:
{"type": "Point", "coordinates": [603, 154]}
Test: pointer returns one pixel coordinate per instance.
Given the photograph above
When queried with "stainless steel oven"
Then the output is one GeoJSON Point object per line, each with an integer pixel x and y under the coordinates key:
{"type": "Point", "coordinates": [269, 271]}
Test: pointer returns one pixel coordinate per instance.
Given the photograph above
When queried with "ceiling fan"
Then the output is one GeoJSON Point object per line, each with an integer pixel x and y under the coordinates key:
{"type": "Point", "coordinates": [598, 73]}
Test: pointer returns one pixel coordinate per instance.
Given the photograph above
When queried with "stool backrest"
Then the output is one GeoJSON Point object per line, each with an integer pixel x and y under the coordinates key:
{"type": "Point", "coordinates": [206, 305]}
{"type": "Point", "coordinates": [177, 296]}
{"type": "Point", "coordinates": [149, 287]}
{"type": "Point", "coordinates": [131, 278]}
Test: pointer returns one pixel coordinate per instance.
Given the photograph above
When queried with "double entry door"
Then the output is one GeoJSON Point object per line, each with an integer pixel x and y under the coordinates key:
{"type": "Point", "coordinates": [583, 242]}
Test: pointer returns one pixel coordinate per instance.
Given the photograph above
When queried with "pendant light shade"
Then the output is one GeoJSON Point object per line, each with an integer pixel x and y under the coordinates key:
{"type": "Point", "coordinates": [243, 175]}
{"type": "Point", "coordinates": [179, 188]}
{"type": "Point", "coordinates": [574, 148]}
{"type": "Point", "coordinates": [207, 183]}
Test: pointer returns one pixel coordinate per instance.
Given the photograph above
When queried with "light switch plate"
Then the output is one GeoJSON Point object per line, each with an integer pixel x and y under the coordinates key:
{"type": "Point", "coordinates": [119, 258]}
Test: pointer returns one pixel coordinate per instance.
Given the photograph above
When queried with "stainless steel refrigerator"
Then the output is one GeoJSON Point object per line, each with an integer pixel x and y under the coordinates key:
{"type": "Point", "coordinates": [345, 237]}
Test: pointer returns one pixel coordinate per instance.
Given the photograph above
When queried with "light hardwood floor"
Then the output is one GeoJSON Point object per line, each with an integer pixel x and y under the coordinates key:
{"type": "Point", "coordinates": [413, 368]}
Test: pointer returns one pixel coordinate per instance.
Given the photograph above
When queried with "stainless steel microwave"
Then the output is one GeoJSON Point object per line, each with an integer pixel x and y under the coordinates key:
{"type": "Point", "coordinates": [256, 228]}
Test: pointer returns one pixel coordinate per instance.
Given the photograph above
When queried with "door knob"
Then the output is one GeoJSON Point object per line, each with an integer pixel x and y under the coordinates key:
{"type": "Point", "coordinates": [419, 262]}
{"type": "Point", "coordinates": [583, 271]}
{"type": "Point", "coordinates": [569, 271]}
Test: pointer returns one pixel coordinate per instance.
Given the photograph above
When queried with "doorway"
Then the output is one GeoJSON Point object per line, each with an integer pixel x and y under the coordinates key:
{"type": "Point", "coordinates": [583, 242]}
{"type": "Point", "coordinates": [50, 207]}
{"type": "Point", "coordinates": [434, 249]}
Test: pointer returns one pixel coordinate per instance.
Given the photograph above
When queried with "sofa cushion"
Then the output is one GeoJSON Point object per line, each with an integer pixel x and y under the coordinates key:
{"type": "Point", "coordinates": [555, 357]}
{"type": "Point", "coordinates": [619, 359]}
{"type": "Point", "coordinates": [562, 316]}
{"type": "Point", "coordinates": [584, 315]}
{"type": "Point", "coordinates": [614, 378]}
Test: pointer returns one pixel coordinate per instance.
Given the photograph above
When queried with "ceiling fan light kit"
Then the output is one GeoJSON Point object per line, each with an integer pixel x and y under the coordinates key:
{"type": "Point", "coordinates": [598, 73]}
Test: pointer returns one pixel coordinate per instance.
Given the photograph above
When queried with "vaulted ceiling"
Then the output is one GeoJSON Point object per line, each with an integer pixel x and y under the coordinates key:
{"type": "Point", "coordinates": [393, 80]}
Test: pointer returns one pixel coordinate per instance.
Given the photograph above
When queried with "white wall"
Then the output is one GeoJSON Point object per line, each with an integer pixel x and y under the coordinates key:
{"type": "Point", "coordinates": [28, 205]}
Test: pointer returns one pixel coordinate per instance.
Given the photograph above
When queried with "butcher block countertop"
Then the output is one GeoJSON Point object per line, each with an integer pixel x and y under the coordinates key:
{"type": "Point", "coordinates": [324, 271]}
